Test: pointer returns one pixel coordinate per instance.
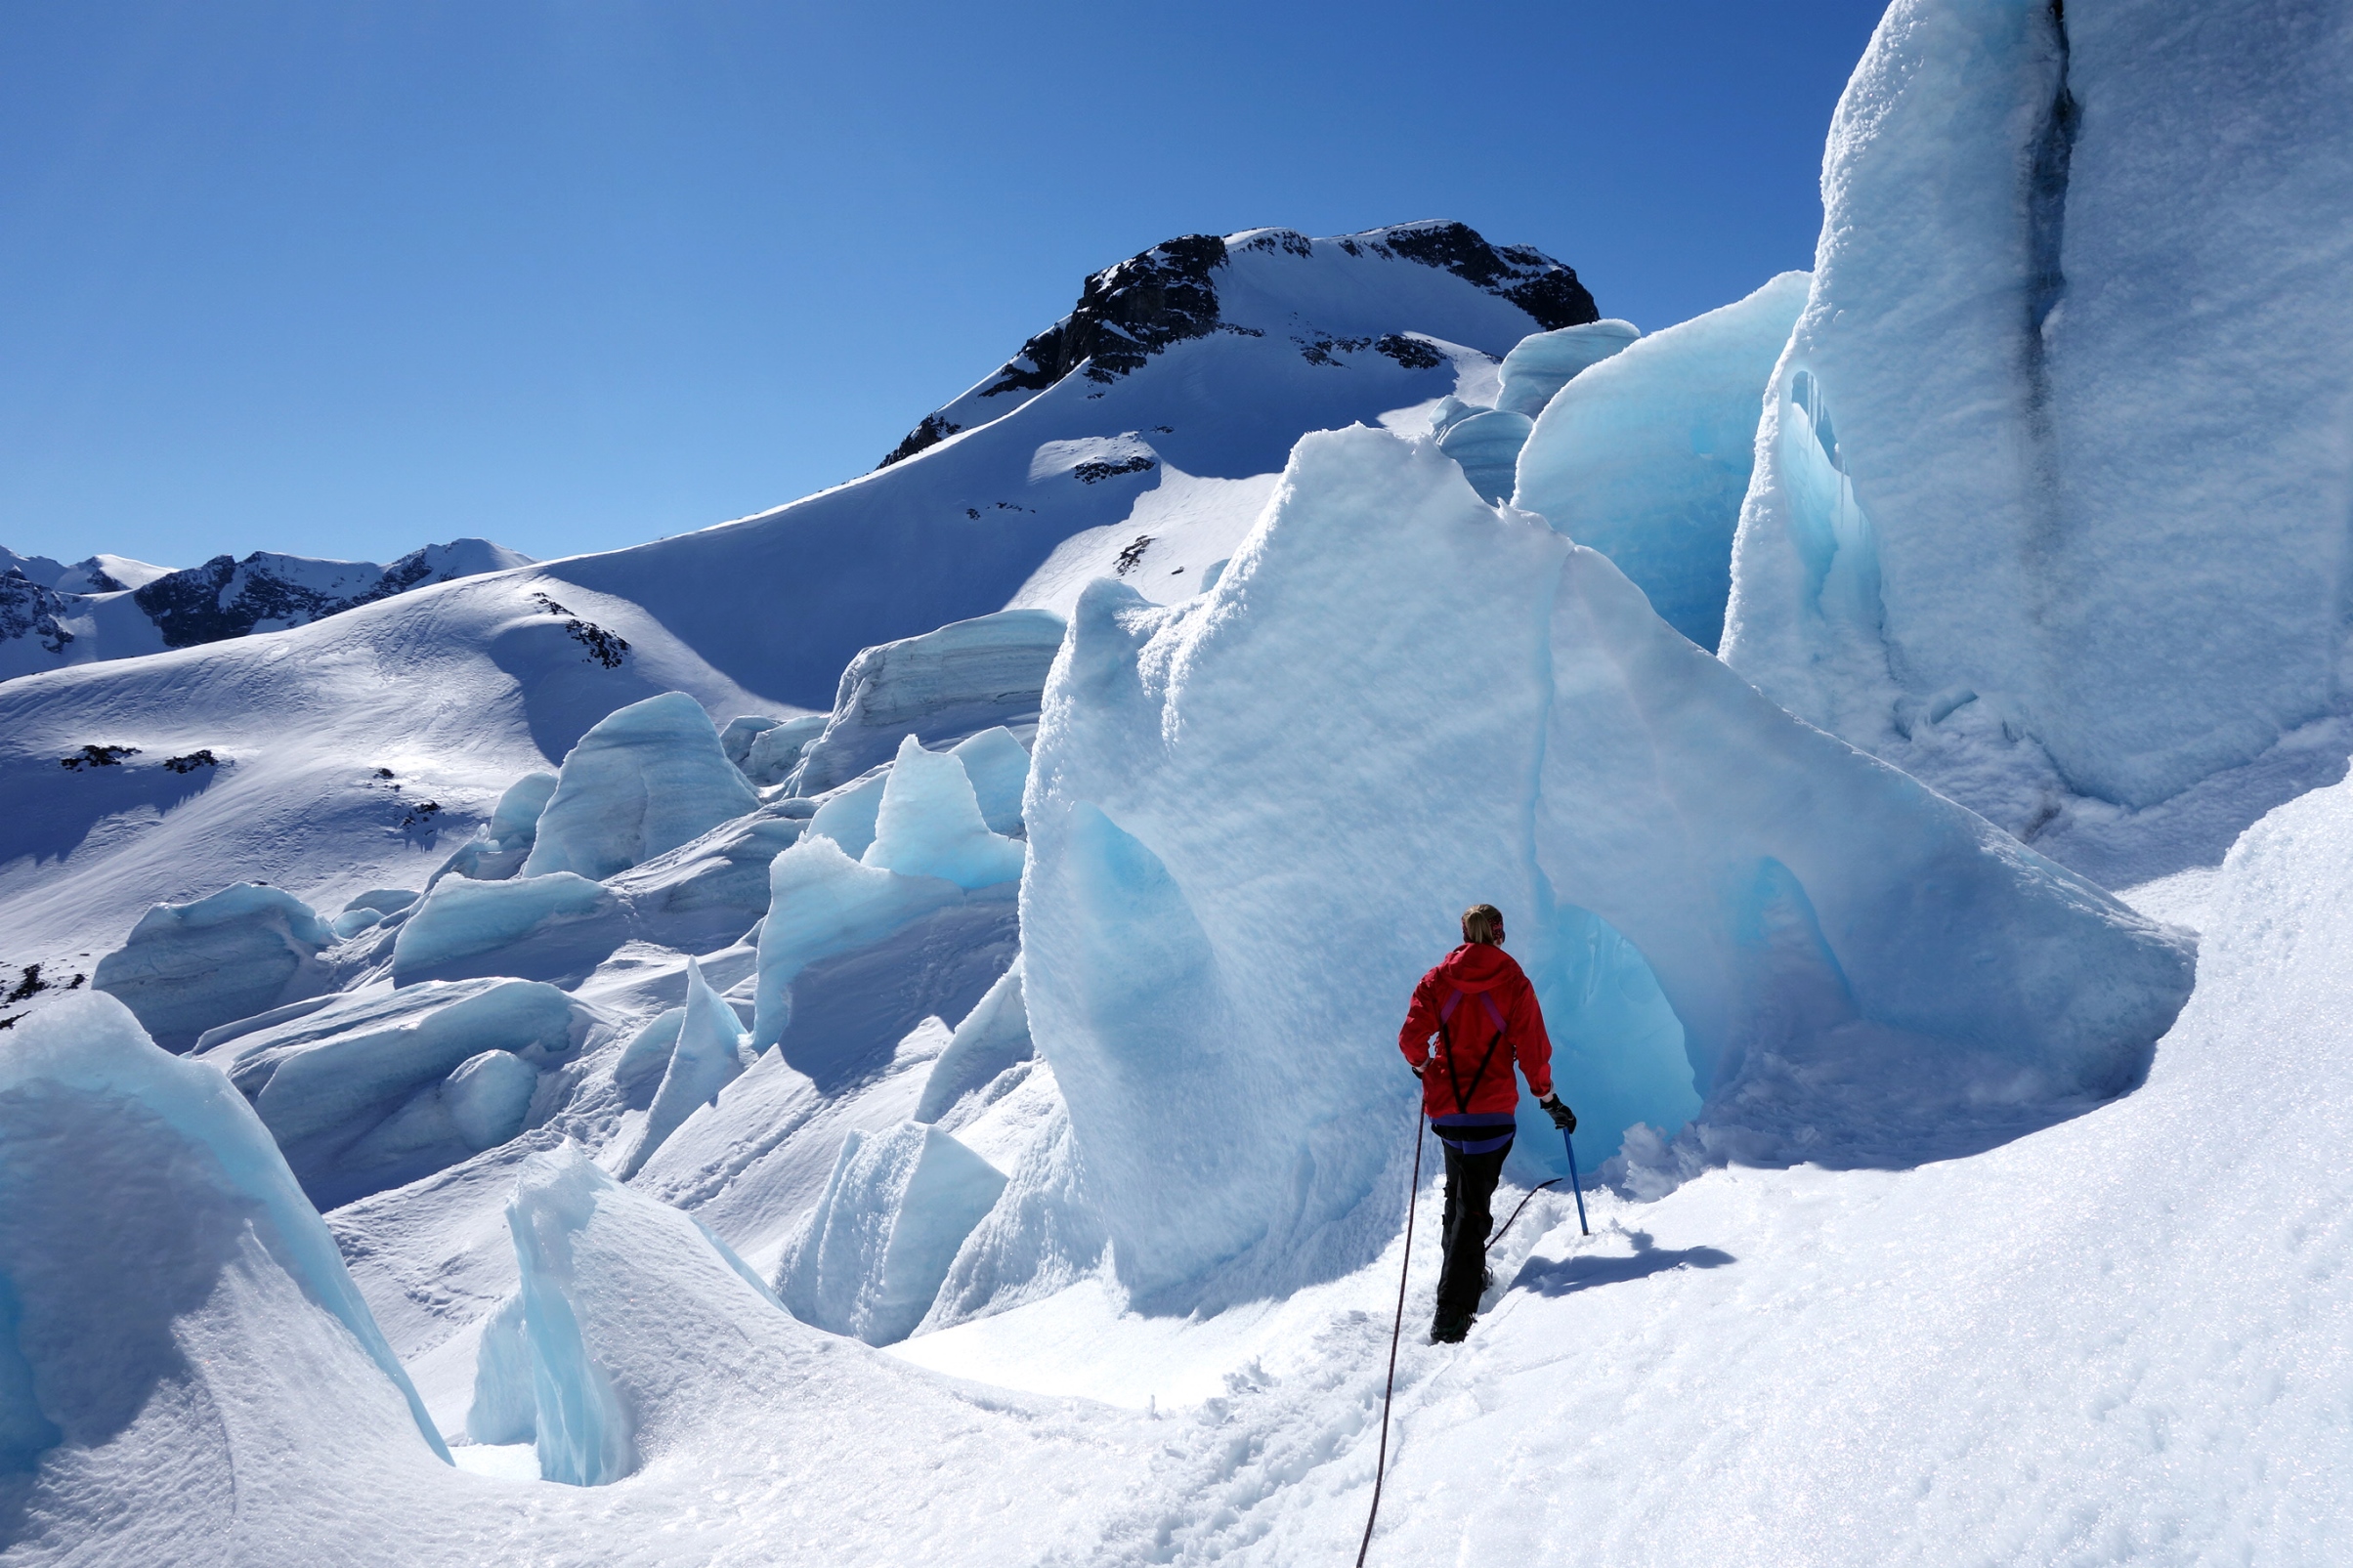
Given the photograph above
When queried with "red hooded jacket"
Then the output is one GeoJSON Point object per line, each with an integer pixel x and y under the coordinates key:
{"type": "Point", "coordinates": [1489, 986]}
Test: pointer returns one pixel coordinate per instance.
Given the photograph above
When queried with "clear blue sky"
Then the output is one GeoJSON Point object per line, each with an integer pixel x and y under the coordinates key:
{"type": "Point", "coordinates": [343, 277]}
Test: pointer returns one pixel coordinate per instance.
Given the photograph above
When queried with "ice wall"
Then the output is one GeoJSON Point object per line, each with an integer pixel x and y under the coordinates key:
{"type": "Point", "coordinates": [2078, 355]}
{"type": "Point", "coordinates": [1232, 892]}
{"type": "Point", "coordinates": [178, 1308]}
{"type": "Point", "coordinates": [1645, 456]}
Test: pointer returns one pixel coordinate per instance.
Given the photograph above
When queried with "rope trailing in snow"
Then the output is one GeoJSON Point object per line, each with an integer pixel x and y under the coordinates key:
{"type": "Point", "coordinates": [1515, 1214]}
{"type": "Point", "coordinates": [1396, 1331]}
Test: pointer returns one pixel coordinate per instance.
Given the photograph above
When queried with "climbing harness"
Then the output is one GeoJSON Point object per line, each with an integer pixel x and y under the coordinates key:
{"type": "Point", "coordinates": [1396, 1331]}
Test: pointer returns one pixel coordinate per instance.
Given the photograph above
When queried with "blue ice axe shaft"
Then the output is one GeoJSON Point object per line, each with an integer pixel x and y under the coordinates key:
{"type": "Point", "coordinates": [1574, 1186]}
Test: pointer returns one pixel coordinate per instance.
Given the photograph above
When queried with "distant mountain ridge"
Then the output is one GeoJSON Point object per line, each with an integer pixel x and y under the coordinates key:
{"type": "Point", "coordinates": [112, 607]}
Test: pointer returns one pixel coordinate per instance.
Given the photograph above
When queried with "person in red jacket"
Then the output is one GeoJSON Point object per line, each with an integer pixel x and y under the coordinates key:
{"type": "Point", "coordinates": [1481, 1012]}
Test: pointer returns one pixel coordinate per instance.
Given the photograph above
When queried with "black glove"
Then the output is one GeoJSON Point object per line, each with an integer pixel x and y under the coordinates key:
{"type": "Point", "coordinates": [1562, 1117]}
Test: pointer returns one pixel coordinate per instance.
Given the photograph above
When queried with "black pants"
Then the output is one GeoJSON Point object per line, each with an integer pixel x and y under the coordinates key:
{"type": "Point", "coordinates": [1470, 1187]}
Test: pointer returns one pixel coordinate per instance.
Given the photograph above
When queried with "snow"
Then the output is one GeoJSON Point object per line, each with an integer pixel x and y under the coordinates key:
{"type": "Point", "coordinates": [187, 967]}
{"type": "Point", "coordinates": [1246, 953]}
{"type": "Point", "coordinates": [1646, 456]}
{"type": "Point", "coordinates": [548, 926]}
{"type": "Point", "coordinates": [2076, 348]}
{"type": "Point", "coordinates": [881, 1241]}
{"type": "Point", "coordinates": [175, 1299]}
{"type": "Point", "coordinates": [1541, 363]}
{"type": "Point", "coordinates": [644, 779]}
{"type": "Point", "coordinates": [929, 822]}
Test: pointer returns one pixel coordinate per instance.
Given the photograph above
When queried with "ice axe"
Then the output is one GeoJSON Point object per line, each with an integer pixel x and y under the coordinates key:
{"type": "Point", "coordinates": [1575, 1185]}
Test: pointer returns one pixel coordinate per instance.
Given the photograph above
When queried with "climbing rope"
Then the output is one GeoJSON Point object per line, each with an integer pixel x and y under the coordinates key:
{"type": "Point", "coordinates": [1396, 1331]}
{"type": "Point", "coordinates": [1515, 1214]}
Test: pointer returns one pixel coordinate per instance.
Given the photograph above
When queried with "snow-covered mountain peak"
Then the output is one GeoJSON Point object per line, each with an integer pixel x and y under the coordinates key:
{"type": "Point", "coordinates": [1339, 295]}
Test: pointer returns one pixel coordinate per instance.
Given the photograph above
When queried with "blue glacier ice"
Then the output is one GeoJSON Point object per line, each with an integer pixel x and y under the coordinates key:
{"type": "Point", "coordinates": [630, 1321]}
{"type": "Point", "coordinates": [1541, 363]}
{"type": "Point", "coordinates": [928, 824]}
{"type": "Point", "coordinates": [941, 686]}
{"type": "Point", "coordinates": [1645, 456]}
{"type": "Point", "coordinates": [774, 752]}
{"type": "Point", "coordinates": [708, 1055]}
{"type": "Point", "coordinates": [991, 1037]}
{"type": "Point", "coordinates": [1720, 907]}
{"type": "Point", "coordinates": [553, 926]}
{"type": "Point", "coordinates": [998, 765]}
{"type": "Point", "coordinates": [898, 1206]}
{"type": "Point", "coordinates": [1487, 445]}
{"type": "Point", "coordinates": [823, 903]}
{"type": "Point", "coordinates": [2047, 376]}
{"type": "Point", "coordinates": [646, 779]}
{"type": "Point", "coordinates": [708, 891]}
{"type": "Point", "coordinates": [355, 1091]}
{"type": "Point", "coordinates": [189, 967]}
{"type": "Point", "coordinates": [848, 815]}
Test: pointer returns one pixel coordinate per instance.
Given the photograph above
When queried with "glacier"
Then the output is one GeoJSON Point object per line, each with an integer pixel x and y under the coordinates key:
{"type": "Point", "coordinates": [846, 1018]}
{"type": "Point", "coordinates": [1572, 760]}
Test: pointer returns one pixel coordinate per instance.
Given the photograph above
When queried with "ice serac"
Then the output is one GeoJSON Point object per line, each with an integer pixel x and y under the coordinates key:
{"type": "Point", "coordinates": [991, 1039]}
{"type": "Point", "coordinates": [556, 927]}
{"type": "Point", "coordinates": [1543, 362]}
{"type": "Point", "coordinates": [1645, 456]}
{"type": "Point", "coordinates": [998, 767]}
{"type": "Point", "coordinates": [629, 1316]}
{"type": "Point", "coordinates": [1487, 443]}
{"type": "Point", "coordinates": [2078, 344]}
{"type": "Point", "coordinates": [644, 779]}
{"type": "Point", "coordinates": [942, 686]}
{"type": "Point", "coordinates": [929, 823]}
{"type": "Point", "coordinates": [189, 967]}
{"type": "Point", "coordinates": [822, 903]}
{"type": "Point", "coordinates": [1768, 910]}
{"type": "Point", "coordinates": [179, 1310]}
{"type": "Point", "coordinates": [899, 1205]}
{"type": "Point", "coordinates": [375, 1089]}
{"type": "Point", "coordinates": [706, 1057]}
